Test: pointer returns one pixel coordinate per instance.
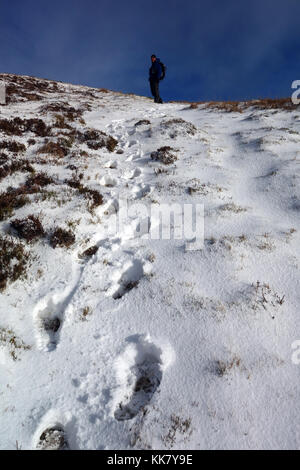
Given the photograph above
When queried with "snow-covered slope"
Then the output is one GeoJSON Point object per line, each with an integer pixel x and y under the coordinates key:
{"type": "Point", "coordinates": [139, 342]}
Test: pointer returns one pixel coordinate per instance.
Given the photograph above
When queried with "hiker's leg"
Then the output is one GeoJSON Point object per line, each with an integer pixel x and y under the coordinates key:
{"type": "Point", "coordinates": [152, 88]}
{"type": "Point", "coordinates": [156, 97]}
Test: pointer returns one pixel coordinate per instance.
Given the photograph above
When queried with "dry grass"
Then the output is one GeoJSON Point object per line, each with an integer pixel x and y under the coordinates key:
{"type": "Point", "coordinates": [231, 207]}
{"type": "Point", "coordinates": [227, 106]}
{"type": "Point", "coordinates": [60, 122]}
{"type": "Point", "coordinates": [92, 250]}
{"type": "Point", "coordinates": [62, 238]}
{"type": "Point", "coordinates": [86, 311]}
{"type": "Point", "coordinates": [178, 426]}
{"type": "Point", "coordinates": [54, 148]}
{"type": "Point", "coordinates": [63, 109]}
{"type": "Point", "coordinates": [9, 201]}
{"type": "Point", "coordinates": [37, 181]}
{"type": "Point", "coordinates": [12, 146]}
{"type": "Point", "coordinates": [29, 228]}
{"type": "Point", "coordinates": [13, 167]}
{"type": "Point", "coordinates": [22, 88]}
{"type": "Point", "coordinates": [164, 155]}
{"type": "Point", "coordinates": [240, 106]}
{"type": "Point", "coordinates": [18, 126]}
{"type": "Point", "coordinates": [3, 158]}
{"type": "Point", "coordinates": [91, 194]}
{"type": "Point", "coordinates": [14, 344]}
{"type": "Point", "coordinates": [222, 368]}
{"type": "Point", "coordinates": [179, 126]}
{"type": "Point", "coordinates": [13, 261]}
{"type": "Point", "coordinates": [15, 198]}
{"type": "Point", "coordinates": [95, 139]}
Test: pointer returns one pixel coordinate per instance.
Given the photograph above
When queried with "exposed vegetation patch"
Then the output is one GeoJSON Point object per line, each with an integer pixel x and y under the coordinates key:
{"type": "Point", "coordinates": [270, 103]}
{"type": "Point", "coordinates": [54, 148]}
{"type": "Point", "coordinates": [13, 261]}
{"type": "Point", "coordinates": [91, 194]}
{"type": "Point", "coordinates": [227, 106]}
{"type": "Point", "coordinates": [60, 122]}
{"type": "Point", "coordinates": [92, 250]}
{"type": "Point", "coordinates": [21, 89]}
{"type": "Point", "coordinates": [9, 201]}
{"type": "Point", "coordinates": [62, 238]}
{"type": "Point", "coordinates": [18, 126]}
{"type": "Point", "coordinates": [3, 158]}
{"type": "Point", "coordinates": [178, 126]}
{"type": "Point", "coordinates": [164, 155]}
{"type": "Point", "coordinates": [240, 106]}
{"type": "Point", "coordinates": [12, 146]}
{"type": "Point", "coordinates": [29, 228]}
{"type": "Point", "coordinates": [63, 109]}
{"type": "Point", "coordinates": [15, 198]}
{"type": "Point", "coordinates": [40, 180]}
{"type": "Point", "coordinates": [14, 166]}
{"type": "Point", "coordinates": [14, 344]}
{"type": "Point", "coordinates": [95, 140]}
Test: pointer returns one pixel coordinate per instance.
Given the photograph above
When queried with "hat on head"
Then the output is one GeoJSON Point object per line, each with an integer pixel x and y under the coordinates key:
{"type": "Point", "coordinates": [153, 55]}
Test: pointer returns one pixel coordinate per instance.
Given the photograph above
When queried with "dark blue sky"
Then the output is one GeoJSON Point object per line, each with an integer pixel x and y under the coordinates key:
{"type": "Point", "coordinates": [213, 49]}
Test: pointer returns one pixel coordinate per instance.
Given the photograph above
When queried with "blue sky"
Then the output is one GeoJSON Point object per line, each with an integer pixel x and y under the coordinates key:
{"type": "Point", "coordinates": [213, 49]}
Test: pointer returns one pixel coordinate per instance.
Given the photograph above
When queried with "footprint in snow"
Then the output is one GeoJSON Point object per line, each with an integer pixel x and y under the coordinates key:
{"type": "Point", "coordinates": [108, 181]}
{"type": "Point", "coordinates": [132, 174]}
{"type": "Point", "coordinates": [53, 438]}
{"type": "Point", "coordinates": [131, 143]}
{"type": "Point", "coordinates": [128, 143]}
{"type": "Point", "coordinates": [141, 190]}
{"type": "Point", "coordinates": [48, 317]}
{"type": "Point", "coordinates": [55, 432]}
{"type": "Point", "coordinates": [127, 279]}
{"type": "Point", "coordinates": [112, 164]}
{"type": "Point", "coordinates": [139, 372]}
{"type": "Point", "coordinates": [134, 156]}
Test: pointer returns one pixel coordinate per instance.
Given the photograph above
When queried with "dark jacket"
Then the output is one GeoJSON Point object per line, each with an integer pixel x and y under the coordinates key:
{"type": "Point", "coordinates": [155, 70]}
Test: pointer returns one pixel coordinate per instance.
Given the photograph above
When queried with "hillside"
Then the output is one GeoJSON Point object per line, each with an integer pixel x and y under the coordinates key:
{"type": "Point", "coordinates": [113, 338]}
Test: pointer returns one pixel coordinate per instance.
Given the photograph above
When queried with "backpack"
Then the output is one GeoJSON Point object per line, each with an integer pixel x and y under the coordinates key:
{"type": "Point", "coordinates": [163, 71]}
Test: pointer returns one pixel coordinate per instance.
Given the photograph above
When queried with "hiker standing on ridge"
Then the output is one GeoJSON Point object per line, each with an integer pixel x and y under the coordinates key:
{"type": "Point", "coordinates": [155, 74]}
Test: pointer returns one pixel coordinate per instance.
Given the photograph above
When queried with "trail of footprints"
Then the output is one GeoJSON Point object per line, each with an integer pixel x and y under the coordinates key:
{"type": "Point", "coordinates": [49, 313]}
{"type": "Point", "coordinates": [139, 368]}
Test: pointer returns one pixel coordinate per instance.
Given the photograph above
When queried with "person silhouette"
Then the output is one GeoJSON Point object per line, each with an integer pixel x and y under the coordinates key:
{"type": "Point", "coordinates": [155, 73]}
